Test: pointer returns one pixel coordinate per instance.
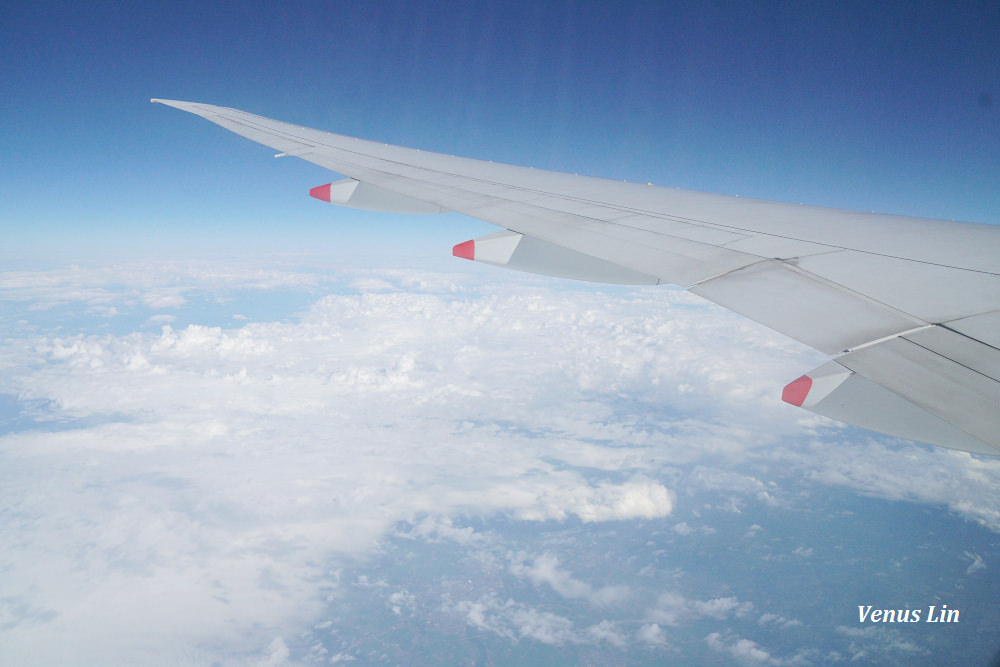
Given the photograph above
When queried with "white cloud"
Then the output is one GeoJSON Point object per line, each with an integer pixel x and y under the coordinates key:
{"type": "Point", "coordinates": [514, 621]}
{"type": "Point", "coordinates": [607, 631]}
{"type": "Point", "coordinates": [717, 479]}
{"type": "Point", "coordinates": [544, 569]}
{"type": "Point", "coordinates": [674, 609]}
{"type": "Point", "coordinates": [436, 528]}
{"type": "Point", "coordinates": [748, 652]}
{"type": "Point", "coordinates": [977, 563]}
{"type": "Point", "coordinates": [651, 633]}
{"type": "Point", "coordinates": [779, 621]}
{"type": "Point", "coordinates": [103, 311]}
{"type": "Point", "coordinates": [209, 474]}
{"type": "Point", "coordinates": [965, 483]}
{"type": "Point", "coordinates": [372, 285]}
{"type": "Point", "coordinates": [277, 654]}
{"type": "Point", "coordinates": [639, 498]}
{"type": "Point", "coordinates": [155, 284]}
{"type": "Point", "coordinates": [722, 607]}
{"type": "Point", "coordinates": [161, 319]}
{"type": "Point", "coordinates": [164, 298]}
{"type": "Point", "coordinates": [543, 626]}
{"type": "Point", "coordinates": [242, 458]}
{"type": "Point", "coordinates": [401, 600]}
{"type": "Point", "coordinates": [880, 644]}
{"type": "Point", "coordinates": [744, 651]}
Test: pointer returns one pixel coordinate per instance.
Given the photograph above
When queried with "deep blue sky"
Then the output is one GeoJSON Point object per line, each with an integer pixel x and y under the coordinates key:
{"type": "Point", "coordinates": [895, 108]}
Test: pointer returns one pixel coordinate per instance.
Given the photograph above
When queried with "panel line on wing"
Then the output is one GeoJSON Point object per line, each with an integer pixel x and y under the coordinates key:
{"type": "Point", "coordinates": [961, 349]}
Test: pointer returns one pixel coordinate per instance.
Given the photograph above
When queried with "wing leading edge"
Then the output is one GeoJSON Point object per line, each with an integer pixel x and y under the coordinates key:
{"type": "Point", "coordinates": [911, 306]}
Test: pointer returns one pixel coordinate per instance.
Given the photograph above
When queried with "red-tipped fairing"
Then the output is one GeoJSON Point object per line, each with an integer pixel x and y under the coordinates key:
{"type": "Point", "coordinates": [466, 250]}
{"type": "Point", "coordinates": [795, 392]}
{"type": "Point", "coordinates": [321, 192]}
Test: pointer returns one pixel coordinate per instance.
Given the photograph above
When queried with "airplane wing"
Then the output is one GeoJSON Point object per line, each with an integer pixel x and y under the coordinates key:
{"type": "Point", "coordinates": [908, 307]}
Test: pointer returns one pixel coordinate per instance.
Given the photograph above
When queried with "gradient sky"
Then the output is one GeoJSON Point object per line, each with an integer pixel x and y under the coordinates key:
{"type": "Point", "coordinates": [237, 424]}
{"type": "Point", "coordinates": [895, 108]}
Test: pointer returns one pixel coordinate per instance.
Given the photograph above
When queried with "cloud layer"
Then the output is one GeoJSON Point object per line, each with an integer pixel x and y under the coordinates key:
{"type": "Point", "coordinates": [173, 493]}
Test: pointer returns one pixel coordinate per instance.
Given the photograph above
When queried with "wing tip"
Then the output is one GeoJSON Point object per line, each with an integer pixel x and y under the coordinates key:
{"type": "Point", "coordinates": [177, 104]}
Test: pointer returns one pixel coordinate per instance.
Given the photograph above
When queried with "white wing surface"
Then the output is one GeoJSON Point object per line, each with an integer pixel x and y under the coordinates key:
{"type": "Point", "coordinates": [909, 306]}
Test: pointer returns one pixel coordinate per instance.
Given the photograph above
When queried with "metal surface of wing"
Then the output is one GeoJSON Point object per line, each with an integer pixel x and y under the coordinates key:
{"type": "Point", "coordinates": [911, 304]}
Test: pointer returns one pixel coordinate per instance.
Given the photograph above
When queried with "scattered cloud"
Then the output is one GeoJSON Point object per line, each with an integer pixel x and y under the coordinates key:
{"type": "Point", "coordinates": [977, 563]}
{"type": "Point", "coordinates": [744, 651]}
{"type": "Point", "coordinates": [544, 569]}
{"type": "Point", "coordinates": [164, 298]}
{"type": "Point", "coordinates": [278, 654]}
{"type": "Point", "coordinates": [651, 633]}
{"type": "Point", "coordinates": [437, 528]}
{"type": "Point", "coordinates": [673, 609]}
{"type": "Point", "coordinates": [401, 600]}
{"type": "Point", "coordinates": [778, 621]}
{"type": "Point", "coordinates": [723, 607]}
{"type": "Point", "coordinates": [372, 284]}
{"type": "Point", "coordinates": [161, 319]}
{"type": "Point", "coordinates": [878, 644]}
{"type": "Point", "coordinates": [965, 483]}
{"type": "Point", "coordinates": [514, 621]}
{"type": "Point", "coordinates": [607, 631]}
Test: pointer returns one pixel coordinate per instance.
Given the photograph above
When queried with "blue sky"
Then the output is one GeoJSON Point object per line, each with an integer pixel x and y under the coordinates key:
{"type": "Point", "coordinates": [895, 108]}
